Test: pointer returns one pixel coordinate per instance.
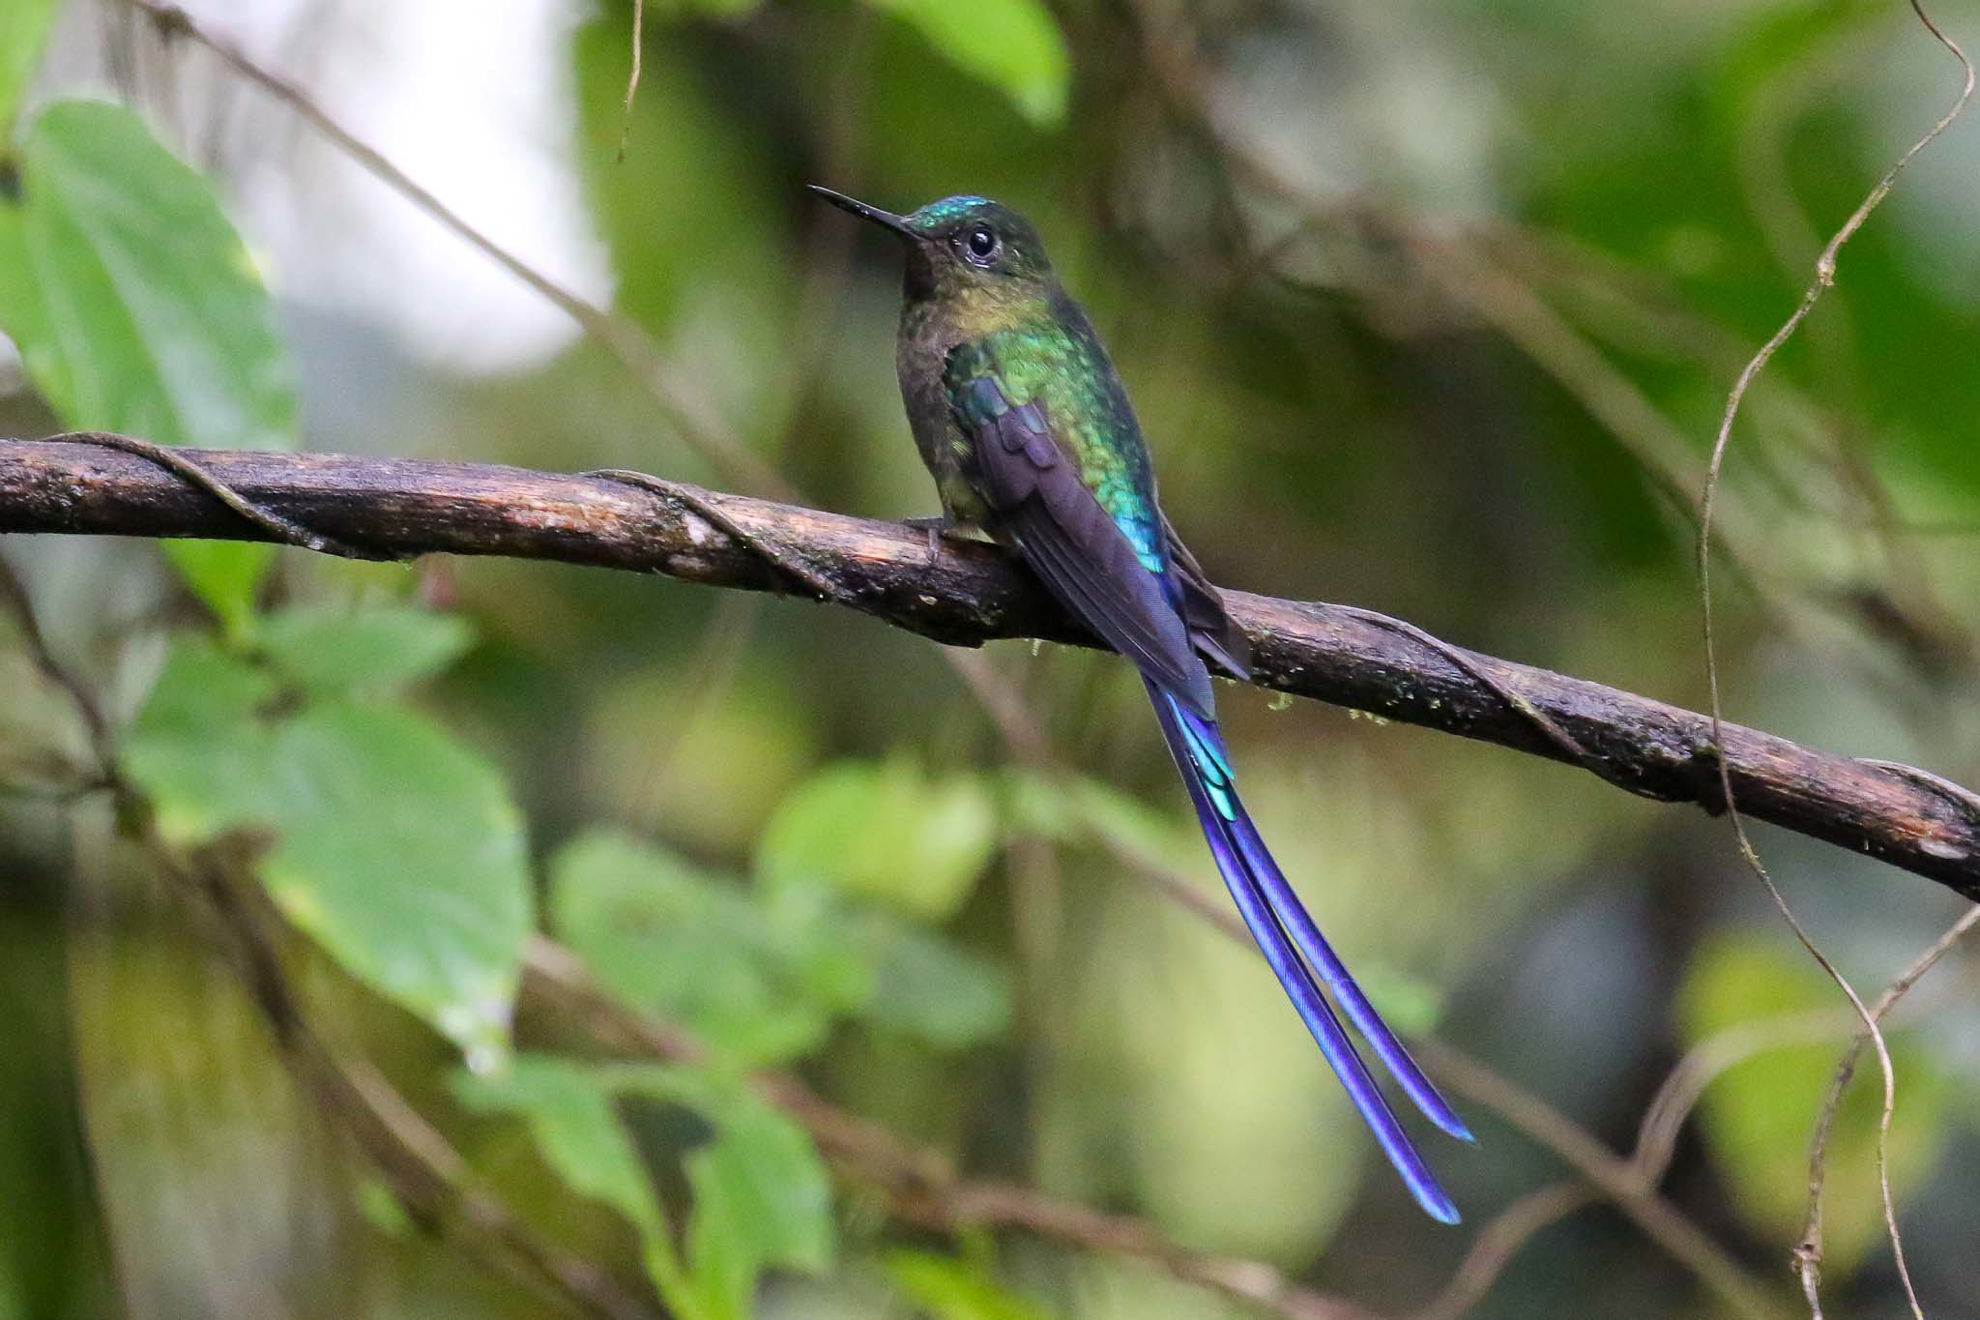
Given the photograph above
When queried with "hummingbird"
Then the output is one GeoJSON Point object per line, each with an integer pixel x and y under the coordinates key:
{"type": "Point", "coordinates": [1024, 424]}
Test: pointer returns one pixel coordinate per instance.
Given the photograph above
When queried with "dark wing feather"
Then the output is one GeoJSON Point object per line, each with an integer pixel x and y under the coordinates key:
{"type": "Point", "coordinates": [1219, 640]}
{"type": "Point", "coordinates": [1074, 546]}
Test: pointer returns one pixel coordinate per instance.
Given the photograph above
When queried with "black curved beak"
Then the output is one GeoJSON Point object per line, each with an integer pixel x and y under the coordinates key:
{"type": "Point", "coordinates": [885, 219]}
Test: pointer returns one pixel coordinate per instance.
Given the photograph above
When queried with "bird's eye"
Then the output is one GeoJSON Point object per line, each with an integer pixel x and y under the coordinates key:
{"type": "Point", "coordinates": [981, 245]}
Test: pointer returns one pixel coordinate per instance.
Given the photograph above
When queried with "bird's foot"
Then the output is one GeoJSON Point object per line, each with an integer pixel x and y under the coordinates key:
{"type": "Point", "coordinates": [938, 529]}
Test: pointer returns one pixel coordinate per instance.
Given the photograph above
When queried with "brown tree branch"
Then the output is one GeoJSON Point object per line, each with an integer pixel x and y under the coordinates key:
{"type": "Point", "coordinates": [966, 595]}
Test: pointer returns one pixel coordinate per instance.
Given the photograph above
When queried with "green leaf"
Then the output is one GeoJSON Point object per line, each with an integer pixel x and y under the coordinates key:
{"type": "Point", "coordinates": [571, 1118]}
{"type": "Point", "coordinates": [400, 851]}
{"type": "Point", "coordinates": [1013, 45]}
{"type": "Point", "coordinates": [760, 976]}
{"type": "Point", "coordinates": [669, 939]}
{"type": "Point", "coordinates": [375, 650]}
{"type": "Point", "coordinates": [197, 749]}
{"type": "Point", "coordinates": [1758, 1117]}
{"type": "Point", "coordinates": [762, 1196]}
{"type": "Point", "coordinates": [950, 1289]}
{"type": "Point", "coordinates": [885, 832]}
{"type": "Point", "coordinates": [136, 309]}
{"type": "Point", "coordinates": [930, 988]}
{"type": "Point", "coordinates": [24, 28]}
{"type": "Point", "coordinates": [393, 845]}
{"type": "Point", "coordinates": [818, 945]}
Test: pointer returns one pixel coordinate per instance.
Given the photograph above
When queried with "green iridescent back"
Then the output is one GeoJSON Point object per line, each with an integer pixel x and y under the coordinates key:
{"type": "Point", "coordinates": [1055, 360]}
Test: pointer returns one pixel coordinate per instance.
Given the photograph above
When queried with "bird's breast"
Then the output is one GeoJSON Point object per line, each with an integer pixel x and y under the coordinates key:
{"type": "Point", "coordinates": [920, 360]}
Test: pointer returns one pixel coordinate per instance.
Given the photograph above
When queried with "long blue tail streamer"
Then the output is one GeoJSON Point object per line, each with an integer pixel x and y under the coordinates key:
{"type": "Point", "coordinates": [1300, 957]}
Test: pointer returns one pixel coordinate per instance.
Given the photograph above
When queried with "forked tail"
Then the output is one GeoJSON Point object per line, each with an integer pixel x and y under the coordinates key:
{"type": "Point", "coordinates": [1299, 956]}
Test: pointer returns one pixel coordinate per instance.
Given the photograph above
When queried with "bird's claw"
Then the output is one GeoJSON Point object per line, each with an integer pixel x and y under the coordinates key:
{"type": "Point", "coordinates": [936, 529]}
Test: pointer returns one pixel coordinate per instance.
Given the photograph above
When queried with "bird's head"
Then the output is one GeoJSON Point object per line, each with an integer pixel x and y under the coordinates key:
{"type": "Point", "coordinates": [967, 249]}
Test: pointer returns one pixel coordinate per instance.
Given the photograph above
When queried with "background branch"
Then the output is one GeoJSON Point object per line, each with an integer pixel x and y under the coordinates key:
{"type": "Point", "coordinates": [398, 508]}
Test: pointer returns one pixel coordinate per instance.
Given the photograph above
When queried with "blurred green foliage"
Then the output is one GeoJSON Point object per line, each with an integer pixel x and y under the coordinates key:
{"type": "Point", "coordinates": [392, 844]}
{"type": "Point", "coordinates": [1427, 306]}
{"type": "Point", "coordinates": [1013, 45]}
{"type": "Point", "coordinates": [761, 976]}
{"type": "Point", "coordinates": [761, 1195]}
{"type": "Point", "coordinates": [23, 29]}
{"type": "Point", "coordinates": [884, 832]}
{"type": "Point", "coordinates": [1756, 1116]}
{"type": "Point", "coordinates": [136, 309]}
{"type": "Point", "coordinates": [957, 1289]}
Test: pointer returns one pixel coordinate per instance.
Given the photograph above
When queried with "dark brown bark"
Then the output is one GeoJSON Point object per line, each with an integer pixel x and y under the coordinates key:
{"type": "Point", "coordinates": [969, 594]}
